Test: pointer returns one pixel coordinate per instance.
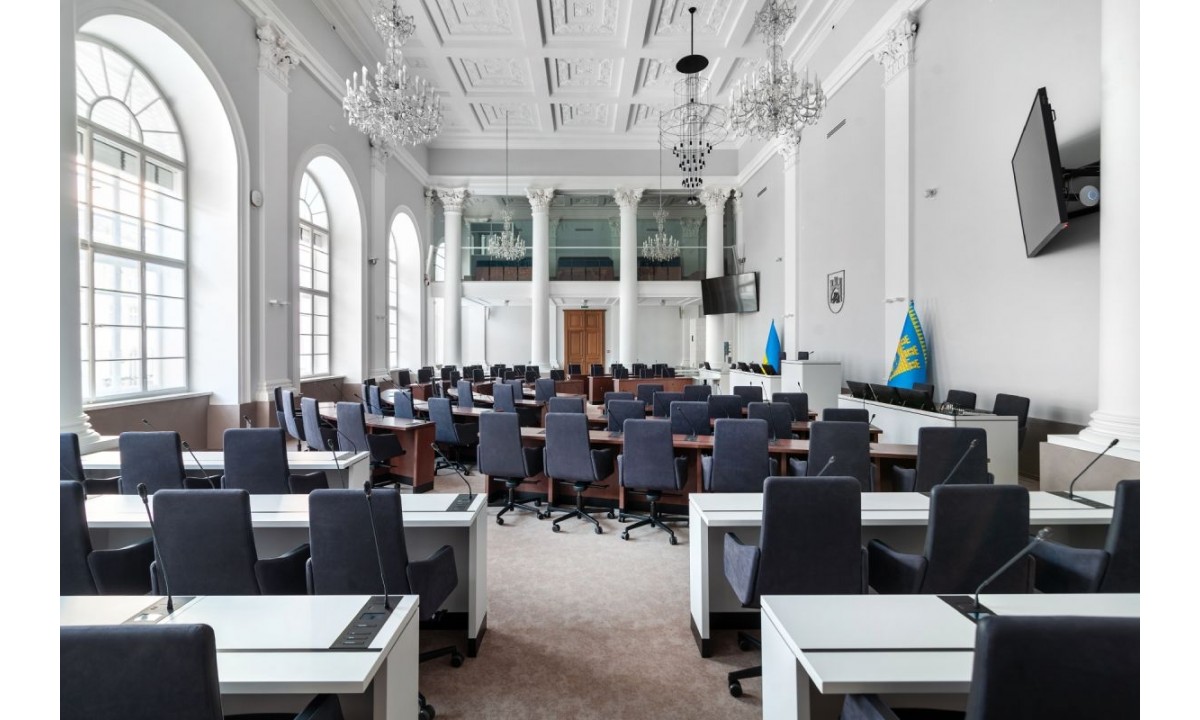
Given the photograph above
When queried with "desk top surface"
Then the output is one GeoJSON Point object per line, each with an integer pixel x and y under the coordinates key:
{"type": "Point", "coordinates": [215, 460]}
{"type": "Point", "coordinates": [328, 411]}
{"type": "Point", "coordinates": [705, 442]}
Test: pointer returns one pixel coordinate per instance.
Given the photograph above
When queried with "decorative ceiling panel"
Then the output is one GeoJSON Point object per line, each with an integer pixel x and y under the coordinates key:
{"type": "Point", "coordinates": [521, 115]}
{"type": "Point", "coordinates": [490, 74]}
{"type": "Point", "coordinates": [671, 17]}
{"type": "Point", "coordinates": [643, 117]}
{"type": "Point", "coordinates": [456, 19]}
{"type": "Point", "coordinates": [583, 18]}
{"type": "Point", "coordinates": [582, 74]}
{"type": "Point", "coordinates": [583, 116]}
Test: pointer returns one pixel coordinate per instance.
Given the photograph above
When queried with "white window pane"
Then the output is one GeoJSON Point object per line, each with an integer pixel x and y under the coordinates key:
{"type": "Point", "coordinates": [166, 143]}
{"type": "Point", "coordinates": [117, 343]}
{"type": "Point", "coordinates": [164, 209]}
{"type": "Point", "coordinates": [321, 344]}
{"type": "Point", "coordinates": [86, 376]}
{"type": "Point", "coordinates": [306, 324]}
{"type": "Point", "coordinates": [118, 378]}
{"type": "Point", "coordinates": [306, 365]}
{"type": "Point", "coordinates": [85, 342]}
{"type": "Point", "coordinates": [164, 179]}
{"type": "Point", "coordinates": [321, 325]}
{"type": "Point", "coordinates": [321, 240]}
{"type": "Point", "coordinates": [306, 278]}
{"type": "Point", "coordinates": [320, 281]}
{"type": "Point", "coordinates": [164, 241]}
{"type": "Point", "coordinates": [82, 214]}
{"type": "Point", "coordinates": [114, 273]}
{"type": "Point", "coordinates": [164, 280]}
{"type": "Point", "coordinates": [306, 303]}
{"type": "Point", "coordinates": [305, 256]}
{"type": "Point", "coordinates": [161, 342]}
{"type": "Point", "coordinates": [320, 305]}
{"type": "Point", "coordinates": [166, 374]}
{"type": "Point", "coordinates": [117, 308]}
{"type": "Point", "coordinates": [306, 344]}
{"type": "Point", "coordinates": [321, 365]}
{"type": "Point", "coordinates": [320, 261]}
{"type": "Point", "coordinates": [114, 229]}
{"type": "Point", "coordinates": [164, 312]}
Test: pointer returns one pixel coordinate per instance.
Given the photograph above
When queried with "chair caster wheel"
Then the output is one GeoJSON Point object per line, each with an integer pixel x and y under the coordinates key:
{"type": "Point", "coordinates": [674, 541]}
{"type": "Point", "coordinates": [621, 519]}
{"type": "Point", "coordinates": [744, 646]}
{"type": "Point", "coordinates": [537, 502]}
{"type": "Point", "coordinates": [599, 531]}
{"type": "Point", "coordinates": [735, 688]}
{"type": "Point", "coordinates": [612, 515]}
{"type": "Point", "coordinates": [457, 659]}
{"type": "Point", "coordinates": [624, 536]}
{"type": "Point", "coordinates": [556, 528]}
{"type": "Point", "coordinates": [427, 713]}
{"type": "Point", "coordinates": [499, 521]}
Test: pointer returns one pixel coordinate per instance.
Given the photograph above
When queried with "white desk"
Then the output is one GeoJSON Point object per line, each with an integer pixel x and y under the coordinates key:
{"type": "Point", "coordinates": [281, 523]}
{"type": "Point", "coordinates": [900, 425]}
{"type": "Point", "coordinates": [899, 519]}
{"type": "Point", "coordinates": [903, 644]}
{"type": "Point", "coordinates": [769, 383]}
{"type": "Point", "coordinates": [821, 380]}
{"type": "Point", "coordinates": [343, 469]}
{"type": "Point", "coordinates": [273, 651]}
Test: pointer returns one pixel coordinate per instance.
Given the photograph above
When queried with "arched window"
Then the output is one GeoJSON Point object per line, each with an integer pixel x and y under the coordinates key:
{"type": "Point", "coordinates": [132, 229]}
{"type": "Point", "coordinates": [404, 294]}
{"type": "Point", "coordinates": [314, 279]}
{"type": "Point", "coordinates": [393, 300]}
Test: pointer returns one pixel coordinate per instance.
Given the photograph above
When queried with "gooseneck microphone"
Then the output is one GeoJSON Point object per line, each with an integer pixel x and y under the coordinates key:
{"type": "Point", "coordinates": [141, 488]}
{"type": "Point", "coordinates": [438, 450]}
{"type": "Point", "coordinates": [961, 460]}
{"type": "Point", "coordinates": [333, 451]}
{"type": "Point", "coordinates": [828, 462]}
{"type": "Point", "coordinates": [691, 426]}
{"type": "Point", "coordinates": [1003, 568]}
{"type": "Point", "coordinates": [387, 605]}
{"type": "Point", "coordinates": [871, 420]}
{"type": "Point", "coordinates": [1071, 488]}
{"type": "Point", "coordinates": [246, 418]}
{"type": "Point", "coordinates": [353, 445]}
{"type": "Point", "coordinates": [203, 472]}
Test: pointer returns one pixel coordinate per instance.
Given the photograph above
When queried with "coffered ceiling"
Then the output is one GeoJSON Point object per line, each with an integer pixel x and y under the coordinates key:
{"type": "Point", "coordinates": [567, 73]}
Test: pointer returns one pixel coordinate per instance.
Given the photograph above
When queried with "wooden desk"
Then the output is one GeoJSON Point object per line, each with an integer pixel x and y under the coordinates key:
{"type": "Point", "coordinates": [675, 384]}
{"type": "Point", "coordinates": [416, 437]}
{"type": "Point", "coordinates": [342, 469]}
{"type": "Point", "coordinates": [597, 386]}
{"type": "Point", "coordinates": [570, 387]}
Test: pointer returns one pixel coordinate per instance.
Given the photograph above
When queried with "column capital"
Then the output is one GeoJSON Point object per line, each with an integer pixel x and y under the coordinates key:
{"type": "Point", "coordinates": [430, 199]}
{"type": "Point", "coordinates": [691, 229]}
{"type": "Point", "coordinates": [452, 199]}
{"type": "Point", "coordinates": [713, 198]}
{"type": "Point", "coordinates": [895, 50]}
{"type": "Point", "coordinates": [539, 198]}
{"type": "Point", "coordinates": [628, 198]}
{"type": "Point", "coordinates": [379, 158]}
{"type": "Point", "coordinates": [737, 201]}
{"type": "Point", "coordinates": [276, 56]}
{"type": "Point", "coordinates": [789, 151]}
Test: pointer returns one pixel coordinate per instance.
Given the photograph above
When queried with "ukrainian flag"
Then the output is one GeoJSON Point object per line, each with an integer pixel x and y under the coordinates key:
{"type": "Point", "coordinates": [771, 354]}
{"type": "Point", "coordinates": [912, 353]}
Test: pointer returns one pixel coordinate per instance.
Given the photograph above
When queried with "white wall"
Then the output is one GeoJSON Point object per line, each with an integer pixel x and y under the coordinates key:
{"type": "Point", "coordinates": [508, 335]}
{"type": "Point", "coordinates": [762, 242]}
{"type": "Point", "coordinates": [659, 337]}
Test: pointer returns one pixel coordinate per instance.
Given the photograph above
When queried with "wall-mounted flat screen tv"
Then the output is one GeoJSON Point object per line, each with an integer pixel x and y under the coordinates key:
{"type": "Point", "coordinates": [730, 294]}
{"type": "Point", "coordinates": [1038, 173]}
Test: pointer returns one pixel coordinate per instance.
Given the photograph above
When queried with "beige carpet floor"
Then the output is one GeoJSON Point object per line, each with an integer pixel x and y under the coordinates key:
{"type": "Point", "coordinates": [582, 625]}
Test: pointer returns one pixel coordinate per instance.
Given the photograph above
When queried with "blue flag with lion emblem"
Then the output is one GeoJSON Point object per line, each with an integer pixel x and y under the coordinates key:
{"type": "Point", "coordinates": [912, 353]}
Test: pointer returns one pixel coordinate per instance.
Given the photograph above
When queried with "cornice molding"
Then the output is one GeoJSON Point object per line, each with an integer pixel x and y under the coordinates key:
{"type": "Point", "coordinates": [276, 58]}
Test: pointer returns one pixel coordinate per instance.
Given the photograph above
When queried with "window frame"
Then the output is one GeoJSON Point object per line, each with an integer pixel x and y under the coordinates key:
{"type": "Point", "coordinates": [312, 292]}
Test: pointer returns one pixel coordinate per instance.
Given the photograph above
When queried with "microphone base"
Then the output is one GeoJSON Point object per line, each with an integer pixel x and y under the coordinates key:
{"type": "Point", "coordinates": [965, 604]}
{"type": "Point", "coordinates": [158, 611]}
{"type": "Point", "coordinates": [691, 438]}
{"type": "Point", "coordinates": [1081, 500]}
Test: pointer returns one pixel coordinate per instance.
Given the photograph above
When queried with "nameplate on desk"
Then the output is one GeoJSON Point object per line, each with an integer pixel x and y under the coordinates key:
{"type": "Point", "coordinates": [157, 611]}
{"type": "Point", "coordinates": [1082, 500]}
{"type": "Point", "coordinates": [965, 604]}
{"type": "Point", "coordinates": [366, 624]}
{"type": "Point", "coordinates": [460, 503]}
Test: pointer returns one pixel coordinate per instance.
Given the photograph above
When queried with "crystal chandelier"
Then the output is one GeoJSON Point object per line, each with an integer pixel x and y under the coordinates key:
{"type": "Point", "coordinates": [776, 101]}
{"type": "Point", "coordinates": [694, 125]}
{"type": "Point", "coordinates": [398, 108]}
{"type": "Point", "coordinates": [506, 244]}
{"type": "Point", "coordinates": [660, 247]}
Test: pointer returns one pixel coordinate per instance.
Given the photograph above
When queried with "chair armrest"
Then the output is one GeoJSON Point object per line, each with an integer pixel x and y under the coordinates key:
{"type": "Point", "coordinates": [681, 472]}
{"type": "Point", "coordinates": [322, 707]}
{"type": "Point", "coordinates": [284, 575]}
{"type": "Point", "coordinates": [866, 707]}
{"type": "Point", "coordinates": [706, 471]}
{"type": "Point", "coordinates": [602, 462]}
{"type": "Point", "coordinates": [1064, 569]}
{"type": "Point", "coordinates": [122, 571]}
{"type": "Point", "coordinates": [384, 446]}
{"type": "Point", "coordinates": [202, 482]}
{"type": "Point", "coordinates": [102, 486]}
{"type": "Point", "coordinates": [741, 569]}
{"type": "Point", "coordinates": [773, 464]}
{"type": "Point", "coordinates": [797, 468]}
{"type": "Point", "coordinates": [904, 478]}
{"type": "Point", "coordinates": [893, 572]}
{"type": "Point", "coordinates": [433, 578]}
{"type": "Point", "coordinates": [304, 483]}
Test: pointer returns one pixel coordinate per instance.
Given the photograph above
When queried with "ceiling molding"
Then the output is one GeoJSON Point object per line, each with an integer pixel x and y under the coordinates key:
{"type": "Point", "coordinates": [494, 184]}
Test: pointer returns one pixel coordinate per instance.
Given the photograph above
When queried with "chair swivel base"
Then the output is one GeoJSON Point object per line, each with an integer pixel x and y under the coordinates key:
{"type": "Point", "coordinates": [746, 642]}
{"type": "Point", "coordinates": [511, 504]}
{"type": "Point", "coordinates": [456, 658]}
{"type": "Point", "coordinates": [654, 519]}
{"type": "Point", "coordinates": [579, 511]}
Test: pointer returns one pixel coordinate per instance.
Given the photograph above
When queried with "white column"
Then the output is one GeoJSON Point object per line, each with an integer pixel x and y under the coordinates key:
{"type": "Point", "coordinates": [375, 287]}
{"type": "Point", "coordinates": [539, 290]}
{"type": "Point", "coordinates": [427, 250]}
{"type": "Point", "coordinates": [714, 215]}
{"type": "Point", "coordinates": [628, 200]}
{"type": "Point", "coordinates": [788, 152]}
{"type": "Point", "coordinates": [1119, 407]}
{"type": "Point", "coordinates": [452, 208]}
{"type": "Point", "coordinates": [895, 54]}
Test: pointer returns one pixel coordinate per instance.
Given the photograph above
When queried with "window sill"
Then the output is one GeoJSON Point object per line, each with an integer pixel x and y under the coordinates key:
{"type": "Point", "coordinates": [144, 400]}
{"type": "Point", "coordinates": [321, 378]}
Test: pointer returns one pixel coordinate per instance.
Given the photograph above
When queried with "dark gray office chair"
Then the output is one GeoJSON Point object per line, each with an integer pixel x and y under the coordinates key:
{"type": "Point", "coordinates": [1013, 405]}
{"type": "Point", "coordinates": [566, 404]}
{"type": "Point", "coordinates": [973, 530]}
{"type": "Point", "coordinates": [924, 388]}
{"type": "Point", "coordinates": [256, 461]}
{"type": "Point", "coordinates": [570, 460]}
{"type": "Point", "coordinates": [620, 411]}
{"type": "Point", "coordinates": [574, 369]}
{"type": "Point", "coordinates": [375, 401]}
{"type": "Point", "coordinates": [70, 467]}
{"type": "Point", "coordinates": [446, 371]}
{"type": "Point", "coordinates": [532, 376]}
{"type": "Point", "coordinates": [543, 389]}
{"type": "Point", "coordinates": [383, 447]}
{"type": "Point", "coordinates": [451, 435]}
{"type": "Point", "coordinates": [838, 448]}
{"type": "Point", "coordinates": [690, 418]}
{"type": "Point", "coordinates": [725, 406]}
{"type": "Point", "coordinates": [610, 396]}
{"type": "Point", "coordinates": [206, 543]}
{"type": "Point", "coordinates": [596, 370]}
{"type": "Point", "coordinates": [739, 461]}
{"type": "Point", "coordinates": [645, 393]}
{"type": "Point", "coordinates": [961, 399]}
{"type": "Point", "coordinates": [648, 466]}
{"type": "Point", "coordinates": [504, 397]}
{"type": "Point", "coordinates": [696, 393]}
{"type": "Point", "coordinates": [84, 571]}
{"type": "Point", "coordinates": [557, 375]}
{"type": "Point", "coordinates": [797, 401]}
{"type": "Point", "coordinates": [286, 415]}
{"type": "Point", "coordinates": [401, 378]}
{"type": "Point", "coordinates": [502, 457]}
{"type": "Point", "coordinates": [424, 374]}
{"type": "Point", "coordinates": [662, 403]}
{"type": "Point", "coordinates": [498, 370]}
{"type": "Point", "coordinates": [466, 394]}
{"type": "Point", "coordinates": [810, 544]}
{"type": "Point", "coordinates": [939, 450]}
{"type": "Point", "coordinates": [1114, 569]}
{"type": "Point", "coordinates": [156, 459]}
{"type": "Point", "coordinates": [402, 405]}
{"type": "Point", "coordinates": [1043, 668]}
{"type": "Point", "coordinates": [778, 417]}
{"type": "Point", "coordinates": [832, 414]}
{"type": "Point", "coordinates": [748, 393]}
{"type": "Point", "coordinates": [319, 435]}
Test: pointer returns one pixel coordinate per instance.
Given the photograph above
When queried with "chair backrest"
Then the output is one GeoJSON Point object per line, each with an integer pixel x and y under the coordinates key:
{"type": "Point", "coordinates": [610, 396]}
{"type": "Point", "coordinates": [662, 403]}
{"type": "Point", "coordinates": [696, 392]}
{"type": "Point", "coordinates": [424, 374]}
{"type": "Point", "coordinates": [342, 544]}
{"type": "Point", "coordinates": [498, 370]}
{"type": "Point", "coordinates": [798, 401]}
{"type": "Point", "coordinates": [568, 455]}
{"type": "Point", "coordinates": [924, 388]}
{"type": "Point", "coordinates": [1124, 543]}
{"type": "Point", "coordinates": [637, 368]}
{"type": "Point", "coordinates": [690, 417]}
{"type": "Point", "coordinates": [153, 458]}
{"type": "Point", "coordinates": [504, 397]}
{"type": "Point", "coordinates": [832, 414]}
{"type": "Point", "coordinates": [477, 373]}
{"type": "Point", "coordinates": [566, 404]}
{"type": "Point", "coordinates": [500, 453]}
{"type": "Point", "coordinates": [352, 428]}
{"type": "Point", "coordinates": [1047, 668]}
{"type": "Point", "coordinates": [725, 406]}
{"type": "Point", "coordinates": [748, 393]}
{"type": "Point", "coordinates": [973, 531]}
{"type": "Point", "coordinates": [558, 375]}
{"type": "Point", "coordinates": [645, 392]}
{"type": "Point", "coordinates": [310, 415]}
{"type": "Point", "coordinates": [287, 413]}
{"type": "Point", "coordinates": [940, 448]}
{"type": "Point", "coordinates": [206, 542]}
{"type": "Point", "coordinates": [574, 369]}
{"type": "Point", "coordinates": [374, 400]}
{"type": "Point", "coordinates": [519, 369]}
{"type": "Point", "coordinates": [848, 443]}
{"type": "Point", "coordinates": [739, 461]}
{"type": "Point", "coordinates": [648, 456]}
{"type": "Point", "coordinates": [466, 394]}
{"type": "Point", "coordinates": [1014, 405]}
{"type": "Point", "coordinates": [596, 369]}
{"type": "Point", "coordinates": [402, 378]}
{"type": "Point", "coordinates": [70, 464]}
{"type": "Point", "coordinates": [811, 537]}
{"type": "Point", "coordinates": [256, 461]}
{"type": "Point", "coordinates": [543, 389]}
{"type": "Point", "coordinates": [778, 417]}
{"type": "Point", "coordinates": [532, 376]}
{"type": "Point", "coordinates": [445, 371]}
{"type": "Point", "coordinates": [116, 672]}
{"type": "Point", "coordinates": [402, 402]}
{"type": "Point", "coordinates": [74, 542]}
{"type": "Point", "coordinates": [961, 399]}
{"type": "Point", "coordinates": [455, 376]}
{"type": "Point", "coordinates": [621, 410]}
{"type": "Point", "coordinates": [442, 416]}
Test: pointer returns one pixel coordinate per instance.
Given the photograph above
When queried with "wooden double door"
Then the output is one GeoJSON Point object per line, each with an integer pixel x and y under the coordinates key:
{"type": "Point", "coordinates": [584, 334]}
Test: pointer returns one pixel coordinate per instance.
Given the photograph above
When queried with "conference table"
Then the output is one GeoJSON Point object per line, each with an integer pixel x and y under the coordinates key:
{"type": "Point", "coordinates": [917, 649]}
{"type": "Point", "coordinates": [280, 523]}
{"type": "Point", "coordinates": [416, 437]}
{"type": "Point", "coordinates": [598, 418]}
{"type": "Point", "coordinates": [342, 469]}
{"type": "Point", "coordinates": [897, 518]}
{"type": "Point", "coordinates": [275, 652]}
